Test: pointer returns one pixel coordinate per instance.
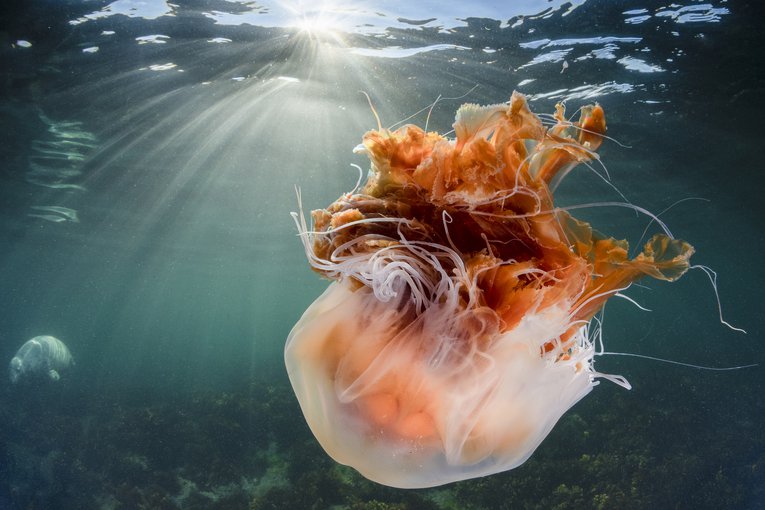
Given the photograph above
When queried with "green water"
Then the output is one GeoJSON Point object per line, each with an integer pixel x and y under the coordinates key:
{"type": "Point", "coordinates": [182, 277]}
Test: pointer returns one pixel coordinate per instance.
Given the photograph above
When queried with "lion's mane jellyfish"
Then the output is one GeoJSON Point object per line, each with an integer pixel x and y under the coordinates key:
{"type": "Point", "coordinates": [456, 331]}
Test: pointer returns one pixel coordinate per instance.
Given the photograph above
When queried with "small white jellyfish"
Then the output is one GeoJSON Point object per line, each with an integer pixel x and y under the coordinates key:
{"type": "Point", "coordinates": [41, 355]}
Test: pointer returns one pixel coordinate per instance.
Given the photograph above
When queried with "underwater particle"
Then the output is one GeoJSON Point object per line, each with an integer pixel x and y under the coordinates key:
{"type": "Point", "coordinates": [399, 52]}
{"type": "Point", "coordinates": [57, 157]}
{"type": "Point", "coordinates": [48, 217]}
{"type": "Point", "coordinates": [456, 332]}
{"type": "Point", "coordinates": [152, 39]}
{"type": "Point", "coordinates": [161, 67]}
{"type": "Point", "coordinates": [91, 49]}
{"type": "Point", "coordinates": [639, 65]}
{"type": "Point", "coordinates": [41, 356]}
{"type": "Point", "coordinates": [21, 43]}
{"type": "Point", "coordinates": [61, 213]}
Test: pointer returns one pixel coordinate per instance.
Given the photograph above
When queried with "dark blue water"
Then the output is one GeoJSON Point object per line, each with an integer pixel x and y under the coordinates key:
{"type": "Point", "coordinates": [149, 158]}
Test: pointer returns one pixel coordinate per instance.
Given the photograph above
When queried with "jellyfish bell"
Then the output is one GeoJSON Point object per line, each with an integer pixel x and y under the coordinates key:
{"type": "Point", "coordinates": [456, 331]}
{"type": "Point", "coordinates": [410, 405]}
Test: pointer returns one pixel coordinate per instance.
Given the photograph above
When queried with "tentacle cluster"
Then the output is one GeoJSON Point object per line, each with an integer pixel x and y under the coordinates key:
{"type": "Point", "coordinates": [471, 222]}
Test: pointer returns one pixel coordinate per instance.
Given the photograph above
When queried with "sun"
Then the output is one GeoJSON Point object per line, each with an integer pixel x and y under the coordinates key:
{"type": "Point", "coordinates": [321, 19]}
